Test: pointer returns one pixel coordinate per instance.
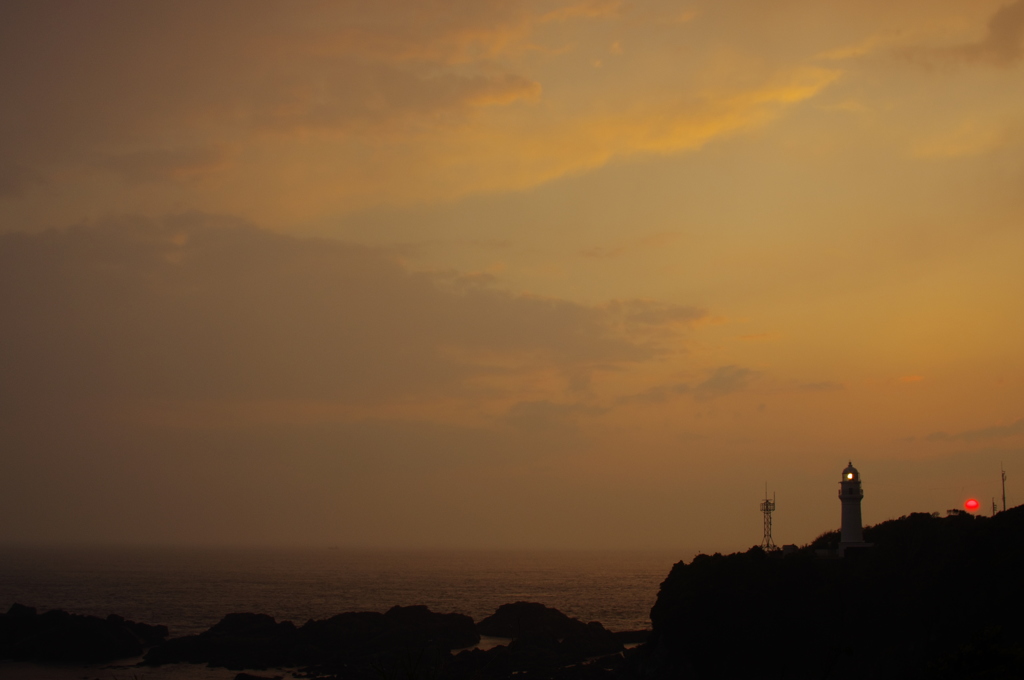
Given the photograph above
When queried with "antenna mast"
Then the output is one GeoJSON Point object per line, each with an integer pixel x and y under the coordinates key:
{"type": "Point", "coordinates": [768, 507]}
{"type": "Point", "coordinates": [1003, 472]}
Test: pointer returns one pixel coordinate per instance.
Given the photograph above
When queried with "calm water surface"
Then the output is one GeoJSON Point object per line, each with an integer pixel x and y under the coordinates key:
{"type": "Point", "coordinates": [191, 589]}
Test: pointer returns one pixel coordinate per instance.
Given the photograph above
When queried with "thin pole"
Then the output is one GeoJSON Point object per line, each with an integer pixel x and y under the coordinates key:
{"type": "Point", "coordinates": [1001, 470]}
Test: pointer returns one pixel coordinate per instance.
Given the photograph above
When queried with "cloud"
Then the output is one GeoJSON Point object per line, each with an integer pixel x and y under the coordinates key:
{"type": "Point", "coordinates": [857, 50]}
{"type": "Point", "coordinates": [1002, 42]}
{"type": "Point", "coordinates": [825, 386]}
{"type": "Point", "coordinates": [1014, 429]}
{"type": "Point", "coordinates": [725, 380]}
{"type": "Point", "coordinates": [669, 125]}
{"type": "Point", "coordinates": [629, 247]}
{"type": "Point", "coordinates": [969, 138]}
{"type": "Point", "coordinates": [290, 115]}
{"type": "Point", "coordinates": [195, 362]}
{"type": "Point", "coordinates": [658, 394]}
{"type": "Point", "coordinates": [195, 308]}
{"type": "Point", "coordinates": [542, 416]}
{"type": "Point", "coordinates": [342, 98]}
{"type": "Point", "coordinates": [167, 164]}
{"type": "Point", "coordinates": [654, 313]}
{"type": "Point", "coordinates": [153, 87]}
{"type": "Point", "coordinates": [590, 9]}
{"type": "Point", "coordinates": [15, 179]}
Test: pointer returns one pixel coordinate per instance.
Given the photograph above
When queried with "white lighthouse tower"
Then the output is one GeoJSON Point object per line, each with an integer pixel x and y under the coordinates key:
{"type": "Point", "coordinates": [850, 495]}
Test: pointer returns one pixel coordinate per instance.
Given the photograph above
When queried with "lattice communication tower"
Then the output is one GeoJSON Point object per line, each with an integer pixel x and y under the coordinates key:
{"type": "Point", "coordinates": [767, 508]}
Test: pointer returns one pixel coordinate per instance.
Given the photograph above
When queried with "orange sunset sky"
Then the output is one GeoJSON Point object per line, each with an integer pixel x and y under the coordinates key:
{"type": "Point", "coordinates": [503, 274]}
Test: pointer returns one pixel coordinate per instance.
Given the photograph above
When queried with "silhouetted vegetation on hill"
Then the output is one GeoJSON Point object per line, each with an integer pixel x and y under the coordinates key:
{"type": "Point", "coordinates": [934, 598]}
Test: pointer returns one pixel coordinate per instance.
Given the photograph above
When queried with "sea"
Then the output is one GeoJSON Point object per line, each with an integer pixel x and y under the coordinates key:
{"type": "Point", "coordinates": [190, 589]}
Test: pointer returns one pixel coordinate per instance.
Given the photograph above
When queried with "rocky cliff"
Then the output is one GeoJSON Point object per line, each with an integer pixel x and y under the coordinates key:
{"type": "Point", "coordinates": [934, 598]}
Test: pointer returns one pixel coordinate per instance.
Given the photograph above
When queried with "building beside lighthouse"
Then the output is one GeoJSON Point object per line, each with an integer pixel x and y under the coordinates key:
{"type": "Point", "coordinates": [851, 534]}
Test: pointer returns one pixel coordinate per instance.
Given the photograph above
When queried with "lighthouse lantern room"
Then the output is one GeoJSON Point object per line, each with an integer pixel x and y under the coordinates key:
{"type": "Point", "coordinates": [850, 495]}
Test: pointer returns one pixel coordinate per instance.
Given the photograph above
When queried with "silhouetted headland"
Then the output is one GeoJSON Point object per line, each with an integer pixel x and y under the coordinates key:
{"type": "Point", "coordinates": [934, 598]}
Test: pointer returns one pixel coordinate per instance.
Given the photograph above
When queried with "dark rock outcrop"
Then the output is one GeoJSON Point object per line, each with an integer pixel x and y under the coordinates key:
{"type": "Point", "coordinates": [257, 641]}
{"type": "Point", "coordinates": [59, 637]}
{"type": "Point", "coordinates": [934, 598]}
{"type": "Point", "coordinates": [407, 642]}
{"type": "Point", "coordinates": [417, 626]}
{"type": "Point", "coordinates": [533, 622]}
{"type": "Point", "coordinates": [528, 618]}
{"type": "Point", "coordinates": [238, 641]}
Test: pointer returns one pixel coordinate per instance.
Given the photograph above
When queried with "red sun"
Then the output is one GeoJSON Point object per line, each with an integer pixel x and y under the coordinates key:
{"type": "Point", "coordinates": [972, 504]}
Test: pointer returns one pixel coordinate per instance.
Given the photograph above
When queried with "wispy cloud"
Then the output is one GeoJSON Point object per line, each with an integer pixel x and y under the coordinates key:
{"type": "Point", "coordinates": [1002, 45]}
{"type": "Point", "coordinates": [154, 165]}
{"type": "Point", "coordinates": [657, 394]}
{"type": "Point", "coordinates": [540, 416]}
{"type": "Point", "coordinates": [825, 386]}
{"type": "Point", "coordinates": [629, 247]}
{"type": "Point", "coordinates": [1014, 429]}
{"type": "Point", "coordinates": [589, 9]}
{"type": "Point", "coordinates": [725, 380]}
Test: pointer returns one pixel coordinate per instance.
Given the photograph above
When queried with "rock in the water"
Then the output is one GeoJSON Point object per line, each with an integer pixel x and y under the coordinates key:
{"type": "Point", "coordinates": [528, 618]}
{"type": "Point", "coordinates": [21, 611]}
{"type": "Point", "coordinates": [543, 639]}
{"type": "Point", "coordinates": [238, 641]}
{"type": "Point", "coordinates": [534, 620]}
{"type": "Point", "coordinates": [60, 637]}
{"type": "Point", "coordinates": [257, 641]}
{"type": "Point", "coordinates": [248, 624]}
{"type": "Point", "coordinates": [418, 626]}
{"type": "Point", "coordinates": [593, 640]}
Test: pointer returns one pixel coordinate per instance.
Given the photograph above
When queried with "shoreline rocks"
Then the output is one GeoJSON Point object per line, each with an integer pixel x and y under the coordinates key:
{"type": "Point", "coordinates": [59, 637]}
{"type": "Point", "coordinates": [403, 642]}
{"type": "Point", "coordinates": [257, 641]}
{"type": "Point", "coordinates": [531, 623]}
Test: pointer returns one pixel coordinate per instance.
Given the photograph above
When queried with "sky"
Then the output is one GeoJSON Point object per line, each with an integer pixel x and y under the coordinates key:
{"type": "Point", "coordinates": [505, 274]}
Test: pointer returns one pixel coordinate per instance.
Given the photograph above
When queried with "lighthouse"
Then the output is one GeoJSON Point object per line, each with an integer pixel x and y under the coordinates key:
{"type": "Point", "coordinates": [850, 495]}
